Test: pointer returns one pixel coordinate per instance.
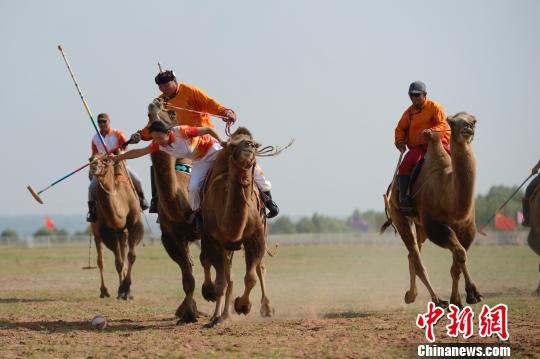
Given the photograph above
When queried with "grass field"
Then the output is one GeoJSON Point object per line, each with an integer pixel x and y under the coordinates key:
{"type": "Point", "coordinates": [330, 301]}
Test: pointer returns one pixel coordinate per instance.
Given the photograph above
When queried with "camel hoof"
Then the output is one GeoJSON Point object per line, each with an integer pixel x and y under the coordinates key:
{"type": "Point", "coordinates": [104, 293]}
{"type": "Point", "coordinates": [473, 296]}
{"type": "Point", "coordinates": [457, 303]}
{"type": "Point", "coordinates": [209, 292]}
{"type": "Point", "coordinates": [187, 318]}
{"type": "Point", "coordinates": [266, 308]}
{"type": "Point", "coordinates": [241, 308]}
{"type": "Point", "coordinates": [410, 297]}
{"type": "Point", "coordinates": [441, 303]}
{"type": "Point", "coordinates": [213, 322]}
{"type": "Point", "coordinates": [267, 311]}
{"type": "Point", "coordinates": [185, 314]}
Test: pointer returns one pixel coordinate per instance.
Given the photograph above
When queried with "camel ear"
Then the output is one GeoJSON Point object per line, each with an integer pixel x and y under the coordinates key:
{"type": "Point", "coordinates": [451, 121]}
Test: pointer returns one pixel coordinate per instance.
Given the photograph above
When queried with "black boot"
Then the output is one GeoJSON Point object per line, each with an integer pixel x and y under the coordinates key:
{"type": "Point", "coordinates": [92, 211]}
{"type": "Point", "coordinates": [273, 209]}
{"type": "Point", "coordinates": [154, 200]}
{"type": "Point", "coordinates": [525, 202]}
{"type": "Point", "coordinates": [405, 201]}
{"type": "Point", "coordinates": [143, 202]}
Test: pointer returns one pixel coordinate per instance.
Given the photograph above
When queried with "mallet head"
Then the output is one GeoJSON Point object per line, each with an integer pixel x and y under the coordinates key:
{"type": "Point", "coordinates": [34, 194]}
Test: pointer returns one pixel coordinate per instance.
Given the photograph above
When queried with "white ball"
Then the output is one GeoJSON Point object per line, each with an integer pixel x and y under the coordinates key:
{"type": "Point", "coordinates": [99, 322]}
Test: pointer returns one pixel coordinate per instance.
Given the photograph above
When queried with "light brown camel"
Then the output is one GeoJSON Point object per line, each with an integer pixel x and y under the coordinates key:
{"type": "Point", "coordinates": [173, 211]}
{"type": "Point", "coordinates": [118, 224]}
{"type": "Point", "coordinates": [233, 217]}
{"type": "Point", "coordinates": [444, 199]}
{"type": "Point", "coordinates": [534, 232]}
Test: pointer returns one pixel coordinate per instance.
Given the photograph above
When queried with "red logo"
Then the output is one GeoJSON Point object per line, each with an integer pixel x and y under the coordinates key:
{"type": "Point", "coordinates": [494, 321]}
{"type": "Point", "coordinates": [460, 321]}
{"type": "Point", "coordinates": [490, 321]}
{"type": "Point", "coordinates": [429, 319]}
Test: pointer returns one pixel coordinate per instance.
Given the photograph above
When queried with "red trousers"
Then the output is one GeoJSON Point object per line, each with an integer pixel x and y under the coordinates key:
{"type": "Point", "coordinates": [415, 155]}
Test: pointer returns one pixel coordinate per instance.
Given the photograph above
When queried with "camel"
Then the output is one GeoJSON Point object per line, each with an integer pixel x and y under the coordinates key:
{"type": "Point", "coordinates": [173, 211]}
{"type": "Point", "coordinates": [444, 199]}
{"type": "Point", "coordinates": [119, 225]}
{"type": "Point", "coordinates": [534, 232]}
{"type": "Point", "coordinates": [233, 217]}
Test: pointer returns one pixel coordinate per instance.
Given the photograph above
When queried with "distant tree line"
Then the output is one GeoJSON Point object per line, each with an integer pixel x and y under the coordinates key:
{"type": "Point", "coordinates": [371, 220]}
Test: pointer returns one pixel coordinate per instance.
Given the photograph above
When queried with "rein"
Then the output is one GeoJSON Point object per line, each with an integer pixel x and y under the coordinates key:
{"type": "Point", "coordinates": [271, 151]}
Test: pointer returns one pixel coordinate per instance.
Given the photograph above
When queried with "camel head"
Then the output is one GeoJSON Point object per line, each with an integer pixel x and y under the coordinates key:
{"type": "Point", "coordinates": [158, 112]}
{"type": "Point", "coordinates": [462, 125]}
{"type": "Point", "coordinates": [243, 148]}
{"type": "Point", "coordinates": [105, 170]}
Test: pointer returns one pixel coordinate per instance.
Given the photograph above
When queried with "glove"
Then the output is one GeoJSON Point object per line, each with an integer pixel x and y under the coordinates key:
{"type": "Point", "coordinates": [230, 116]}
{"type": "Point", "coordinates": [401, 147]}
{"type": "Point", "coordinates": [135, 138]}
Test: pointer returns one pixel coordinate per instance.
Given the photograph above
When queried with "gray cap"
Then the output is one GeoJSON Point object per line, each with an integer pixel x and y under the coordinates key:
{"type": "Point", "coordinates": [417, 87]}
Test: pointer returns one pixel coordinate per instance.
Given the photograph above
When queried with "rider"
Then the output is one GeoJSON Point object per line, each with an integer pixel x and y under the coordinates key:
{"type": "Point", "coordinates": [528, 193]}
{"type": "Point", "coordinates": [188, 97]}
{"type": "Point", "coordinates": [413, 130]}
{"type": "Point", "coordinates": [114, 139]}
{"type": "Point", "coordinates": [200, 144]}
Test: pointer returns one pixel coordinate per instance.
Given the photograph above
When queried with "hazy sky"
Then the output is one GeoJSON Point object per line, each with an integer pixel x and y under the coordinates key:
{"type": "Point", "coordinates": [331, 74]}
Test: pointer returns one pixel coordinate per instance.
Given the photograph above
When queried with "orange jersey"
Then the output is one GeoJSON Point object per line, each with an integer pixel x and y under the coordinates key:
{"type": "Point", "coordinates": [414, 121]}
{"type": "Point", "coordinates": [191, 98]}
{"type": "Point", "coordinates": [113, 140]}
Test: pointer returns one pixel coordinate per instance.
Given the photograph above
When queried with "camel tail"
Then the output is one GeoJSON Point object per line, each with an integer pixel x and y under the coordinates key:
{"type": "Point", "coordinates": [386, 224]}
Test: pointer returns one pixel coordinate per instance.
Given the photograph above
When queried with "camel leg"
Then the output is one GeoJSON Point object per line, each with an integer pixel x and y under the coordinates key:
{"type": "Point", "coordinates": [208, 287]}
{"type": "Point", "coordinates": [410, 295]}
{"type": "Point", "coordinates": [534, 242]}
{"type": "Point", "coordinates": [266, 307]}
{"type": "Point", "coordinates": [220, 263]}
{"type": "Point", "coordinates": [179, 252]}
{"type": "Point", "coordinates": [445, 236]}
{"type": "Point", "coordinates": [461, 241]}
{"type": "Point", "coordinates": [455, 272]}
{"type": "Point", "coordinates": [99, 249]}
{"type": "Point", "coordinates": [254, 253]}
{"type": "Point", "coordinates": [134, 235]}
{"type": "Point", "coordinates": [408, 238]}
{"type": "Point", "coordinates": [119, 263]}
{"type": "Point", "coordinates": [122, 262]}
{"type": "Point", "coordinates": [228, 292]}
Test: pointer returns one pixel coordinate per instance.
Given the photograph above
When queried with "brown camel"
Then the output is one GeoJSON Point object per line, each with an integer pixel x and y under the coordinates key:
{"type": "Point", "coordinates": [233, 216]}
{"type": "Point", "coordinates": [534, 233]}
{"type": "Point", "coordinates": [444, 200]}
{"type": "Point", "coordinates": [173, 211]}
{"type": "Point", "coordinates": [118, 223]}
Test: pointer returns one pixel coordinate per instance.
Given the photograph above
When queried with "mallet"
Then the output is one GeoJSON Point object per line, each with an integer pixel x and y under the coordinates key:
{"type": "Point", "coordinates": [36, 194]}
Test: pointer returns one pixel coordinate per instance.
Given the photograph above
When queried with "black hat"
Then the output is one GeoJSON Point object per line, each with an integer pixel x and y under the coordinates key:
{"type": "Point", "coordinates": [158, 126]}
{"type": "Point", "coordinates": [417, 87]}
{"type": "Point", "coordinates": [164, 77]}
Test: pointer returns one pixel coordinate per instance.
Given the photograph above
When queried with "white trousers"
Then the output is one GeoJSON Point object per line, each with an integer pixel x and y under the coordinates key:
{"type": "Point", "coordinates": [199, 170]}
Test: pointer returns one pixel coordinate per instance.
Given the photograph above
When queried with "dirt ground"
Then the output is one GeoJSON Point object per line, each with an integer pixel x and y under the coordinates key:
{"type": "Point", "coordinates": [330, 301]}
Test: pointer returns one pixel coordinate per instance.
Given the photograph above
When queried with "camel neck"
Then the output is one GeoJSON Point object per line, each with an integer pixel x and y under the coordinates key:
{"type": "Point", "coordinates": [236, 207]}
{"type": "Point", "coordinates": [109, 200]}
{"type": "Point", "coordinates": [463, 178]}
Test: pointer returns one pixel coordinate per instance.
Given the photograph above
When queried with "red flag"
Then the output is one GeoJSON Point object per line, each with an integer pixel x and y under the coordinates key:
{"type": "Point", "coordinates": [505, 223]}
{"type": "Point", "coordinates": [49, 223]}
